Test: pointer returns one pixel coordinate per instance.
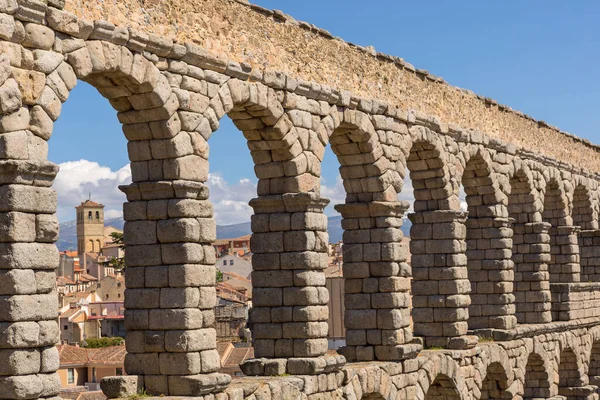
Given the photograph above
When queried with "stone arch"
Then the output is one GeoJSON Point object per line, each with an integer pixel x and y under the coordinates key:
{"type": "Point", "coordinates": [594, 363]}
{"type": "Point", "coordinates": [440, 376]}
{"type": "Point", "coordinates": [368, 174]}
{"type": "Point", "coordinates": [489, 244]}
{"type": "Point", "coordinates": [370, 383]}
{"type": "Point", "coordinates": [289, 240]}
{"type": "Point", "coordinates": [495, 383]}
{"type": "Point", "coordinates": [564, 251]}
{"type": "Point", "coordinates": [497, 374]}
{"type": "Point", "coordinates": [375, 271]}
{"type": "Point", "coordinates": [530, 250]}
{"type": "Point", "coordinates": [427, 163]}
{"type": "Point", "coordinates": [571, 372]}
{"type": "Point", "coordinates": [165, 172]}
{"type": "Point", "coordinates": [537, 382]}
{"type": "Point", "coordinates": [442, 388]}
{"type": "Point", "coordinates": [585, 216]}
{"type": "Point", "coordinates": [583, 213]}
{"type": "Point", "coordinates": [524, 205]}
{"type": "Point", "coordinates": [439, 288]}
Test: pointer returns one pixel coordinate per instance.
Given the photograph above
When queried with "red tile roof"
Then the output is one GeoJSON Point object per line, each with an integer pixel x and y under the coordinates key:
{"type": "Point", "coordinates": [90, 203]}
{"type": "Point", "coordinates": [237, 276]}
{"type": "Point", "coordinates": [238, 355]}
{"type": "Point", "coordinates": [78, 356]}
{"type": "Point", "coordinates": [71, 356]}
{"type": "Point", "coordinates": [91, 396]}
{"type": "Point", "coordinates": [112, 355]}
{"type": "Point", "coordinates": [63, 280]}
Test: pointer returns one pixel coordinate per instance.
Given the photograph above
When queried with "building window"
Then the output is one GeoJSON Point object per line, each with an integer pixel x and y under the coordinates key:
{"type": "Point", "coordinates": [107, 295]}
{"type": "Point", "coordinates": [99, 285]}
{"type": "Point", "coordinates": [119, 295]}
{"type": "Point", "coordinates": [119, 371]}
{"type": "Point", "coordinates": [66, 327]}
{"type": "Point", "coordinates": [224, 262]}
{"type": "Point", "coordinates": [119, 284]}
{"type": "Point", "coordinates": [71, 376]}
{"type": "Point", "coordinates": [230, 262]}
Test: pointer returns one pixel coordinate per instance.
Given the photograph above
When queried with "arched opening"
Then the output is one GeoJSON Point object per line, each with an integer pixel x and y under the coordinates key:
{"type": "Point", "coordinates": [376, 296]}
{"type": "Point", "coordinates": [569, 373]}
{"type": "Point", "coordinates": [489, 244]}
{"type": "Point", "coordinates": [594, 368]}
{"type": "Point", "coordinates": [372, 396]}
{"type": "Point", "coordinates": [442, 388]}
{"type": "Point", "coordinates": [583, 212]}
{"type": "Point", "coordinates": [537, 382]}
{"type": "Point", "coordinates": [564, 261]}
{"type": "Point", "coordinates": [495, 383]}
{"type": "Point", "coordinates": [585, 217]}
{"type": "Point", "coordinates": [440, 289]}
{"type": "Point", "coordinates": [530, 252]}
{"type": "Point", "coordinates": [428, 175]}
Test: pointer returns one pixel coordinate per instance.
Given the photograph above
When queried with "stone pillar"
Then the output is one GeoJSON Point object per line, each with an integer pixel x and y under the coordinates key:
{"type": "Point", "coordinates": [28, 260]}
{"type": "Point", "coordinates": [489, 250]}
{"type": "Point", "coordinates": [377, 282]}
{"type": "Point", "coordinates": [289, 315]}
{"type": "Point", "coordinates": [170, 295]}
{"type": "Point", "coordinates": [440, 284]}
{"type": "Point", "coordinates": [589, 252]}
{"type": "Point", "coordinates": [531, 254]}
{"type": "Point", "coordinates": [564, 266]}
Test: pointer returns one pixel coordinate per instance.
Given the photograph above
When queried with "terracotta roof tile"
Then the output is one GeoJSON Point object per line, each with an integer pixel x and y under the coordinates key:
{"type": "Point", "coordinates": [71, 355]}
{"type": "Point", "coordinates": [237, 276]}
{"type": "Point", "coordinates": [90, 203]}
{"type": "Point", "coordinates": [91, 396]}
{"type": "Point", "coordinates": [63, 280]}
{"type": "Point", "coordinates": [239, 355]}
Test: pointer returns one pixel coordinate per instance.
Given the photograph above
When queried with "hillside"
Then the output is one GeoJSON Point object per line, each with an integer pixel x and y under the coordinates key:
{"type": "Point", "coordinates": [68, 231]}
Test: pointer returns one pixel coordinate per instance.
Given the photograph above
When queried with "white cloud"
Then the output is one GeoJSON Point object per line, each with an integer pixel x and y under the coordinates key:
{"type": "Point", "coordinates": [335, 193]}
{"type": "Point", "coordinates": [230, 201]}
{"type": "Point", "coordinates": [77, 179]}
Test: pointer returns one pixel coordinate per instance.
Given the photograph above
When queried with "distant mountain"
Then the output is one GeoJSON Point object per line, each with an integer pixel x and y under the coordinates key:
{"type": "Point", "coordinates": [67, 239]}
{"type": "Point", "coordinates": [233, 231]}
{"type": "Point", "coordinates": [67, 236]}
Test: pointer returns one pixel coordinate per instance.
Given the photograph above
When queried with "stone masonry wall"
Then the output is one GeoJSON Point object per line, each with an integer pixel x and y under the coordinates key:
{"type": "Point", "coordinates": [270, 39]}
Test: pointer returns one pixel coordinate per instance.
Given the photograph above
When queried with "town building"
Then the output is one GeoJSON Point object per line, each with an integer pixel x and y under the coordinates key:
{"type": "Point", "coordinates": [239, 283]}
{"type": "Point", "coordinates": [232, 356]}
{"type": "Point", "coordinates": [95, 245]}
{"type": "Point", "coordinates": [231, 246]}
{"type": "Point", "coordinates": [82, 368]}
{"type": "Point", "coordinates": [240, 265]}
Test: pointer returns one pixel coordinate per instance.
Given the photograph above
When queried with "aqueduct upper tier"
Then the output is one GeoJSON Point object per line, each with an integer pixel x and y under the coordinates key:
{"type": "Point", "coordinates": [504, 297]}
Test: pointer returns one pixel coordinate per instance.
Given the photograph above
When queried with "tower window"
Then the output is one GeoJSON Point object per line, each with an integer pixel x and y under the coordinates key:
{"type": "Point", "coordinates": [97, 215]}
{"type": "Point", "coordinates": [90, 215]}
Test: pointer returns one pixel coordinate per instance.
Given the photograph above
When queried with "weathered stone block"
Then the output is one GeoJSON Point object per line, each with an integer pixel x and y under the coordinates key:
{"type": "Point", "coordinates": [179, 363]}
{"type": "Point", "coordinates": [175, 319]}
{"type": "Point", "coordinates": [190, 340]}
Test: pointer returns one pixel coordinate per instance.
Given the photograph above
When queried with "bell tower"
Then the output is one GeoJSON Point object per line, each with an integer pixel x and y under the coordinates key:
{"type": "Point", "coordinates": [90, 227]}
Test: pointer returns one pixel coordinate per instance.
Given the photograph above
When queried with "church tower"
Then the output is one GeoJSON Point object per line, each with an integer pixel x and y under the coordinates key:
{"type": "Point", "coordinates": [90, 227]}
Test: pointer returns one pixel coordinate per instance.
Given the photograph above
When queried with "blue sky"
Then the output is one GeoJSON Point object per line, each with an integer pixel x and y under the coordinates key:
{"type": "Point", "coordinates": [539, 57]}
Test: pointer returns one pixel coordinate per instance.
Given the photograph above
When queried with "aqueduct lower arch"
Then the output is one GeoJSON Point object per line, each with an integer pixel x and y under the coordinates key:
{"type": "Point", "coordinates": [521, 269]}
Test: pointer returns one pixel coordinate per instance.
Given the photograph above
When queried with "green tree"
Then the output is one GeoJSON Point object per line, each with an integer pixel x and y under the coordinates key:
{"type": "Point", "coordinates": [94, 343]}
{"type": "Point", "coordinates": [117, 238]}
{"type": "Point", "coordinates": [117, 263]}
{"type": "Point", "coordinates": [219, 275]}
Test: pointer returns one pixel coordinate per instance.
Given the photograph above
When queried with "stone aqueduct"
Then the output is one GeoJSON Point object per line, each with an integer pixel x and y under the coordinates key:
{"type": "Point", "coordinates": [500, 302]}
